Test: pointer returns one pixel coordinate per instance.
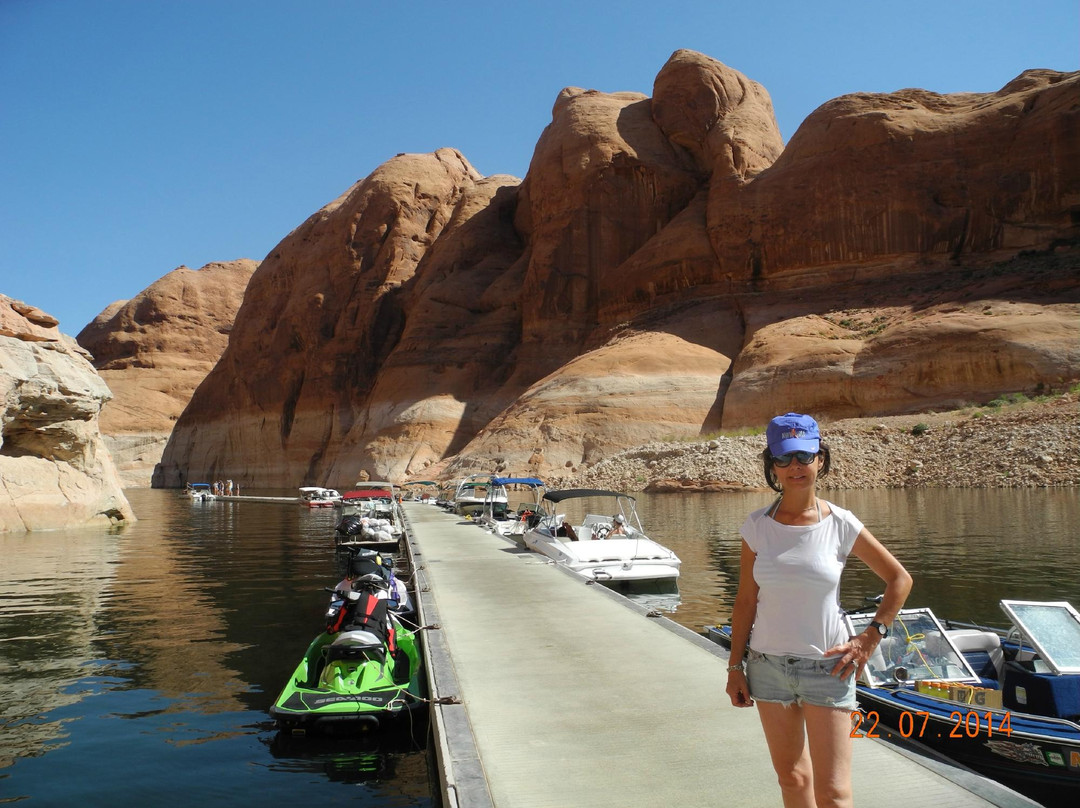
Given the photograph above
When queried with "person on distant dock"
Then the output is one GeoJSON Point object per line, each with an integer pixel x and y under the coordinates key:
{"type": "Point", "coordinates": [799, 665]}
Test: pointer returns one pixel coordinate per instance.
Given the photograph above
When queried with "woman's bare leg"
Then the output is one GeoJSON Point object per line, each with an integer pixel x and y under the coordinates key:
{"type": "Point", "coordinates": [828, 732]}
{"type": "Point", "coordinates": [784, 732]}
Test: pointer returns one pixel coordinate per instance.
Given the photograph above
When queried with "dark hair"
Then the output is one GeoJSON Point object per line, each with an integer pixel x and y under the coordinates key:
{"type": "Point", "coordinates": [770, 476]}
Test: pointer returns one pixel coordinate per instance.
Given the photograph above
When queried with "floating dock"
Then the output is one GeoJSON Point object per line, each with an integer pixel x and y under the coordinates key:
{"type": "Point", "coordinates": [246, 498]}
{"type": "Point", "coordinates": [553, 692]}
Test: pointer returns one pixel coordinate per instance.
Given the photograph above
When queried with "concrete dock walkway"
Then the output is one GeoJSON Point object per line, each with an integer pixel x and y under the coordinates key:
{"type": "Point", "coordinates": [567, 695]}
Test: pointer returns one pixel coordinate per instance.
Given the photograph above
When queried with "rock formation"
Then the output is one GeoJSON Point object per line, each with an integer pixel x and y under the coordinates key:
{"type": "Point", "coordinates": [154, 350]}
{"type": "Point", "coordinates": [1011, 442]}
{"type": "Point", "coordinates": [666, 268]}
{"type": "Point", "coordinates": [54, 469]}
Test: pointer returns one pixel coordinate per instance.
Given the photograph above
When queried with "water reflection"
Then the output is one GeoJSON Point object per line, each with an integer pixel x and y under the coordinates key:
{"type": "Point", "coordinates": [348, 760]}
{"type": "Point", "coordinates": [663, 596]}
{"type": "Point", "coordinates": [50, 594]}
{"type": "Point", "coordinates": [160, 647]}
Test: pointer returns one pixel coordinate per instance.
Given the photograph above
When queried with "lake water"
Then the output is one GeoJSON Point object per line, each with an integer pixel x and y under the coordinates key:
{"type": "Point", "coordinates": [137, 664]}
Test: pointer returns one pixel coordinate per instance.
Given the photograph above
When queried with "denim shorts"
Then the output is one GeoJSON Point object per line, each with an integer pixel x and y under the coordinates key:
{"type": "Point", "coordinates": [793, 679]}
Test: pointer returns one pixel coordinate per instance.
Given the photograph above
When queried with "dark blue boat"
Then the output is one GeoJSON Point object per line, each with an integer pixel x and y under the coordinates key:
{"type": "Point", "coordinates": [1005, 703]}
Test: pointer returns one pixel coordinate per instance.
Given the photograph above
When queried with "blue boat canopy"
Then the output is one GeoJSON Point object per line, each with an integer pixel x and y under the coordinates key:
{"type": "Point", "coordinates": [517, 481]}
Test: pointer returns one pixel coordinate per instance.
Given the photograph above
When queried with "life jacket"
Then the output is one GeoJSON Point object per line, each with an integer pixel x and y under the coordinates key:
{"type": "Point", "coordinates": [371, 613]}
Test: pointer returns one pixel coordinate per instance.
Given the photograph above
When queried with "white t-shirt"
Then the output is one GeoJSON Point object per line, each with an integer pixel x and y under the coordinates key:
{"type": "Point", "coordinates": [797, 570]}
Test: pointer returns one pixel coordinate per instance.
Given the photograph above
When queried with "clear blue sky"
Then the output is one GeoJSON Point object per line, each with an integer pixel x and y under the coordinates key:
{"type": "Point", "coordinates": [139, 135]}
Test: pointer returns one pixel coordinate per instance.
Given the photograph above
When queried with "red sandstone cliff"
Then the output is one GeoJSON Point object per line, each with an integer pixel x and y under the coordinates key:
{"type": "Point", "coordinates": [154, 350]}
{"type": "Point", "coordinates": [666, 267]}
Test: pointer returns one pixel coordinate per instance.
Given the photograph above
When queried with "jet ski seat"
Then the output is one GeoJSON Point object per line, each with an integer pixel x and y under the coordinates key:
{"type": "Point", "coordinates": [356, 644]}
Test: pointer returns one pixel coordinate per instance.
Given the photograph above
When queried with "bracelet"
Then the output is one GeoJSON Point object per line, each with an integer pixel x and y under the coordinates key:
{"type": "Point", "coordinates": [740, 667]}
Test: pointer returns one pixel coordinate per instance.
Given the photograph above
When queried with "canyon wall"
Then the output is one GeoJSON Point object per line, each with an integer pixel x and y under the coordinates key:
{"type": "Point", "coordinates": [154, 350]}
{"type": "Point", "coordinates": [666, 268]}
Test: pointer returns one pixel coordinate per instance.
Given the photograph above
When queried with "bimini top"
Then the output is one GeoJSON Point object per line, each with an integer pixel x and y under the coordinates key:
{"type": "Point", "coordinates": [535, 483]}
{"type": "Point", "coordinates": [372, 493]}
{"type": "Point", "coordinates": [574, 493]}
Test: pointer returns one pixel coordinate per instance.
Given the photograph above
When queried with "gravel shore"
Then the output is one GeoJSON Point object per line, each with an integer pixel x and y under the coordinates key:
{"type": "Point", "coordinates": [1031, 444]}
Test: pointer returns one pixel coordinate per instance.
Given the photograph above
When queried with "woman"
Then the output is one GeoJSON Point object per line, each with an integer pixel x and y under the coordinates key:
{"type": "Point", "coordinates": [800, 666]}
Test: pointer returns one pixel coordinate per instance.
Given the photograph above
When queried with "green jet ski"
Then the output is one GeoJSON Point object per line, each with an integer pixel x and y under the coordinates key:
{"type": "Point", "coordinates": [360, 675]}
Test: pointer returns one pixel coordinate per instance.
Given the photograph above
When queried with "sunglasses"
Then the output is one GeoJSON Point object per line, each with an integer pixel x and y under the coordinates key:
{"type": "Point", "coordinates": [784, 460]}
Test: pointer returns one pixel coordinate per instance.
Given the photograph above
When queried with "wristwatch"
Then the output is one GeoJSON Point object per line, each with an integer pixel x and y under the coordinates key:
{"type": "Point", "coordinates": [739, 667]}
{"type": "Point", "coordinates": [882, 629]}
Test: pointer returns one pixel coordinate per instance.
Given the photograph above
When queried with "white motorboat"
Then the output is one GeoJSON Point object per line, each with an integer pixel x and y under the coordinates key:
{"type": "Point", "coordinates": [472, 493]}
{"type": "Point", "coordinates": [199, 492]}
{"type": "Point", "coordinates": [314, 496]}
{"type": "Point", "coordinates": [499, 518]}
{"type": "Point", "coordinates": [607, 546]}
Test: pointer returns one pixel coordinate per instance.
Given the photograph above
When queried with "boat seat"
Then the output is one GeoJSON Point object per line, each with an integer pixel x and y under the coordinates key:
{"type": "Point", "coordinates": [982, 650]}
{"type": "Point", "coordinates": [357, 637]}
{"type": "Point", "coordinates": [1049, 694]}
{"type": "Point", "coordinates": [355, 644]}
{"type": "Point", "coordinates": [876, 662]}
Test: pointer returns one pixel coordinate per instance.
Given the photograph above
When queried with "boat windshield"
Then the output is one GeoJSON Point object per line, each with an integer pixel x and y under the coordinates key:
{"type": "Point", "coordinates": [1052, 628]}
{"type": "Point", "coordinates": [917, 648]}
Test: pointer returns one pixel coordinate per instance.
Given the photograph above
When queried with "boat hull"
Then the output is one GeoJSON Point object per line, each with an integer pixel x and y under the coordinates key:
{"type": "Point", "coordinates": [1015, 748]}
{"type": "Point", "coordinates": [608, 559]}
{"type": "Point", "coordinates": [636, 571]}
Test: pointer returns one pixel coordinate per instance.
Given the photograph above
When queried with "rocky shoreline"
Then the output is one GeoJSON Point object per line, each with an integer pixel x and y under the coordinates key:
{"type": "Point", "coordinates": [1021, 445]}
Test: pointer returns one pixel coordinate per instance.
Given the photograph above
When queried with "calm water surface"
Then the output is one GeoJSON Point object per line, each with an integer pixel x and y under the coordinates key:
{"type": "Point", "coordinates": [966, 549]}
{"type": "Point", "coordinates": [137, 665]}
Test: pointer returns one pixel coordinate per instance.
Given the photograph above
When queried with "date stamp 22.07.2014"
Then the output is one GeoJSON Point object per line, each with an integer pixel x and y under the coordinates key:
{"type": "Point", "coordinates": [917, 724]}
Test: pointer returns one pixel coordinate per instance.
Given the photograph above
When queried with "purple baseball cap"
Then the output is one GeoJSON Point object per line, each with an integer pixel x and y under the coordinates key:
{"type": "Point", "coordinates": [792, 433]}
